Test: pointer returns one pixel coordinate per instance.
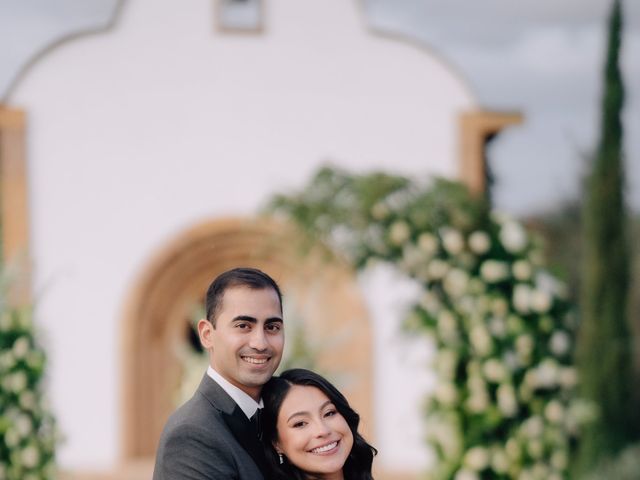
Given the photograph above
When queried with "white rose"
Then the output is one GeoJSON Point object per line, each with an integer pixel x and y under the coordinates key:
{"type": "Point", "coordinates": [15, 382]}
{"type": "Point", "coordinates": [23, 425]}
{"type": "Point", "coordinates": [477, 402]}
{"type": "Point", "coordinates": [11, 438]}
{"type": "Point", "coordinates": [540, 470]}
{"type": "Point", "coordinates": [479, 242]}
{"type": "Point", "coordinates": [27, 400]}
{"type": "Point", "coordinates": [507, 402]}
{"type": "Point", "coordinates": [399, 232]}
{"type": "Point", "coordinates": [559, 459]}
{"type": "Point", "coordinates": [513, 237]}
{"type": "Point", "coordinates": [533, 427]}
{"type": "Point", "coordinates": [437, 269]}
{"type": "Point", "coordinates": [554, 411]}
{"type": "Point", "coordinates": [513, 450]}
{"type": "Point", "coordinates": [21, 347]}
{"type": "Point", "coordinates": [30, 456]}
{"type": "Point", "coordinates": [547, 373]}
{"type": "Point", "coordinates": [499, 306]}
{"type": "Point", "coordinates": [446, 363]}
{"type": "Point", "coordinates": [524, 346]}
{"type": "Point", "coordinates": [510, 360]}
{"type": "Point", "coordinates": [444, 432]}
{"type": "Point", "coordinates": [540, 301]}
{"type": "Point", "coordinates": [526, 474]}
{"type": "Point", "coordinates": [455, 282]}
{"type": "Point", "coordinates": [494, 370]}
{"type": "Point", "coordinates": [493, 271]}
{"type": "Point", "coordinates": [476, 458]}
{"type": "Point", "coordinates": [447, 323]}
{"type": "Point", "coordinates": [452, 241]}
{"type": "Point", "coordinates": [559, 343]}
{"type": "Point", "coordinates": [497, 326]}
{"type": "Point", "coordinates": [428, 243]}
{"type": "Point", "coordinates": [7, 360]}
{"type": "Point", "coordinates": [411, 257]}
{"type": "Point", "coordinates": [535, 448]}
{"type": "Point", "coordinates": [480, 340]}
{"type": "Point", "coordinates": [446, 393]}
{"type": "Point", "coordinates": [465, 474]}
{"type": "Point", "coordinates": [379, 211]}
{"type": "Point", "coordinates": [522, 297]}
{"type": "Point", "coordinates": [499, 461]}
{"type": "Point", "coordinates": [522, 270]}
{"type": "Point", "coordinates": [430, 302]}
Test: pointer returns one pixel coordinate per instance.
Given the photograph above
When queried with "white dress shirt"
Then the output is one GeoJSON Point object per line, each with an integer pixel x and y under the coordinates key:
{"type": "Point", "coordinates": [247, 404]}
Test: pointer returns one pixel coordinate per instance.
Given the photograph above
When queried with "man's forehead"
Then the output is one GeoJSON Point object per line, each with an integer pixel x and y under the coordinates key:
{"type": "Point", "coordinates": [242, 296]}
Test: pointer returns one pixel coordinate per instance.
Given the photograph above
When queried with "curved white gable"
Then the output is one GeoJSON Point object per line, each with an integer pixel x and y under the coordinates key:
{"type": "Point", "coordinates": [163, 121]}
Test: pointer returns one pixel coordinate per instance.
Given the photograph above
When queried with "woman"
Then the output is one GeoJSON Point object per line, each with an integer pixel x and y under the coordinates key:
{"type": "Point", "coordinates": [310, 431]}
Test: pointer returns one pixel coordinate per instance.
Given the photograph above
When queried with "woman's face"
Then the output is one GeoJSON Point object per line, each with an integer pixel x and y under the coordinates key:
{"type": "Point", "coordinates": [312, 434]}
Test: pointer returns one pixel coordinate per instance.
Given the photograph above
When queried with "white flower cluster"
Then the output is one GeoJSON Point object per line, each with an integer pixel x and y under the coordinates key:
{"type": "Point", "coordinates": [27, 433]}
{"type": "Point", "coordinates": [503, 405]}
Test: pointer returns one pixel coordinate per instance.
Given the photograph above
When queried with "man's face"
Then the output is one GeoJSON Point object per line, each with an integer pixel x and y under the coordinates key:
{"type": "Point", "coordinates": [245, 347]}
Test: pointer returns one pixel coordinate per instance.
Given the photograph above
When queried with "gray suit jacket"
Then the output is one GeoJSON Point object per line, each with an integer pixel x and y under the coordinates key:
{"type": "Point", "coordinates": [209, 438]}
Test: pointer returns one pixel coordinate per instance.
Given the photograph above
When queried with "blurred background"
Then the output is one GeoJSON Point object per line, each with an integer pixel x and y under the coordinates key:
{"type": "Point", "coordinates": [146, 146]}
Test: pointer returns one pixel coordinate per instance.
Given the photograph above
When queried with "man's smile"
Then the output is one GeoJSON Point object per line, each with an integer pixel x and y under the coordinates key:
{"type": "Point", "coordinates": [255, 360]}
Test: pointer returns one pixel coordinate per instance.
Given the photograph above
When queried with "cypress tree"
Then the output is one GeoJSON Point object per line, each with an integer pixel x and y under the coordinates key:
{"type": "Point", "coordinates": [604, 341]}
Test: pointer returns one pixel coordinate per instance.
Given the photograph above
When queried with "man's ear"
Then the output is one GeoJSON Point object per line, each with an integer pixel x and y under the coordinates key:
{"type": "Point", "coordinates": [205, 332]}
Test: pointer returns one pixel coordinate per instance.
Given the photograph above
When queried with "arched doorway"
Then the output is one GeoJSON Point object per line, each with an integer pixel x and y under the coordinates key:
{"type": "Point", "coordinates": [325, 292]}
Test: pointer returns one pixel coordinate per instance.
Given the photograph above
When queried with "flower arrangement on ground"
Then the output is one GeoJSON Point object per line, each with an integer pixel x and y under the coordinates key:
{"type": "Point", "coordinates": [27, 428]}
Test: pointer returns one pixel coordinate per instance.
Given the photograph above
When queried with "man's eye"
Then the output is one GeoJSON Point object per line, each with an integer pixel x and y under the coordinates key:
{"type": "Point", "coordinates": [243, 325]}
{"type": "Point", "coordinates": [273, 327]}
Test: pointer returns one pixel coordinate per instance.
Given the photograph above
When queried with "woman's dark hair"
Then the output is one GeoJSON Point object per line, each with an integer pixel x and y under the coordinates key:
{"type": "Point", "coordinates": [358, 463]}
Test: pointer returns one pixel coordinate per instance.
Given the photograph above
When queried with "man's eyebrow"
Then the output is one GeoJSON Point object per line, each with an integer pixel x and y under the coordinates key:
{"type": "Point", "coordinates": [250, 319]}
{"type": "Point", "coordinates": [245, 318]}
{"type": "Point", "coordinates": [328, 402]}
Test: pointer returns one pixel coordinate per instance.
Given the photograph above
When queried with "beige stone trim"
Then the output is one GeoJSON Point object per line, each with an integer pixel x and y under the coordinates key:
{"type": "Point", "coordinates": [14, 205]}
{"type": "Point", "coordinates": [476, 128]}
{"type": "Point", "coordinates": [160, 302]}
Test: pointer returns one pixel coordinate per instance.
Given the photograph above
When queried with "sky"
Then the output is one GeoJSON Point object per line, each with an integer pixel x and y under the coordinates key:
{"type": "Point", "coordinates": [542, 58]}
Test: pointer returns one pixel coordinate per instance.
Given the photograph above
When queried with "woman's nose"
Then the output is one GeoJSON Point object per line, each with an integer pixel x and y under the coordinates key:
{"type": "Point", "coordinates": [322, 429]}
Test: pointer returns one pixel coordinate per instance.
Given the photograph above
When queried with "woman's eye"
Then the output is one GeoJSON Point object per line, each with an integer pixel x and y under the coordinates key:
{"type": "Point", "coordinates": [330, 413]}
{"type": "Point", "coordinates": [298, 424]}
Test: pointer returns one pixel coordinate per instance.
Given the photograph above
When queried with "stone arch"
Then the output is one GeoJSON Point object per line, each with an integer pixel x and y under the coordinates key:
{"type": "Point", "coordinates": [177, 277]}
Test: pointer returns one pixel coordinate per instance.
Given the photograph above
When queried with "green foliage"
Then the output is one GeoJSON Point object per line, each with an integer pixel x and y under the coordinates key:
{"type": "Point", "coordinates": [504, 405]}
{"type": "Point", "coordinates": [367, 206]}
{"type": "Point", "coordinates": [624, 466]}
{"type": "Point", "coordinates": [27, 428]}
{"type": "Point", "coordinates": [604, 354]}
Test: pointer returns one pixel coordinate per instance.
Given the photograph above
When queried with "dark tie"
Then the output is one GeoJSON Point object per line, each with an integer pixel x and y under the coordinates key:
{"type": "Point", "coordinates": [255, 422]}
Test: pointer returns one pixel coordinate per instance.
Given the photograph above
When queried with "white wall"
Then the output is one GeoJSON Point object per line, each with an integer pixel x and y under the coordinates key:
{"type": "Point", "coordinates": [139, 132]}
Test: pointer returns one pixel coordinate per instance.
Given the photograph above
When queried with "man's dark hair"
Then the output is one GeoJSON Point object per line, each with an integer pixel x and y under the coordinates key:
{"type": "Point", "coordinates": [360, 459]}
{"type": "Point", "coordinates": [237, 277]}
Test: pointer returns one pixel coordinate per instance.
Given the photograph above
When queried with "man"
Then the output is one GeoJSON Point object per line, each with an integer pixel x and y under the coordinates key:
{"type": "Point", "coordinates": [214, 435]}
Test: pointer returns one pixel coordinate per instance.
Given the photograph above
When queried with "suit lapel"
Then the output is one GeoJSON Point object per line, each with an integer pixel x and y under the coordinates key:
{"type": "Point", "coordinates": [234, 417]}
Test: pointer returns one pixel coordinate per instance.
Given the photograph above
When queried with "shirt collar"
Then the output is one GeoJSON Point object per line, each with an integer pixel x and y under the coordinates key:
{"type": "Point", "coordinates": [247, 404]}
